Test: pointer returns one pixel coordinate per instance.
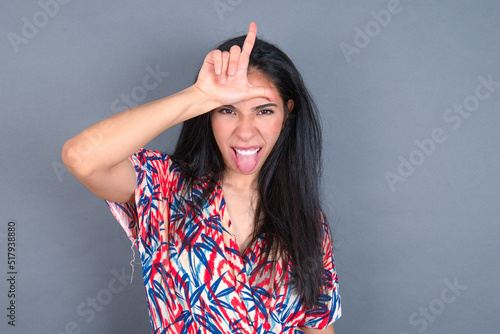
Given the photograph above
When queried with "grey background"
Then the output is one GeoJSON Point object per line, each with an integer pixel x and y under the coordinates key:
{"type": "Point", "coordinates": [397, 250]}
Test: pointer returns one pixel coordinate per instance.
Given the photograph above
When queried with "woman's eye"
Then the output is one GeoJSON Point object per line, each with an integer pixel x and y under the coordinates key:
{"type": "Point", "coordinates": [266, 112]}
{"type": "Point", "coordinates": [226, 111]}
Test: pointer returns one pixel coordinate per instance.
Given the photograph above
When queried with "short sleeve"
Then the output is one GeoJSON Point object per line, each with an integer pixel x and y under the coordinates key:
{"type": "Point", "coordinates": [329, 309]}
{"type": "Point", "coordinates": [153, 172]}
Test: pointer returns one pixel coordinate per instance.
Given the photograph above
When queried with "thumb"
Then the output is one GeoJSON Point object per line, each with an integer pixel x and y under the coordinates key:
{"type": "Point", "coordinates": [267, 93]}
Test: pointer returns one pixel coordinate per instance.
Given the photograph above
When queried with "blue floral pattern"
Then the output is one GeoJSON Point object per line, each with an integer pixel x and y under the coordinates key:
{"type": "Point", "coordinates": [196, 280]}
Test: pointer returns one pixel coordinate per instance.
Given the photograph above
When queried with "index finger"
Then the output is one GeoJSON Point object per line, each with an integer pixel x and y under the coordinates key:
{"type": "Point", "coordinates": [249, 40]}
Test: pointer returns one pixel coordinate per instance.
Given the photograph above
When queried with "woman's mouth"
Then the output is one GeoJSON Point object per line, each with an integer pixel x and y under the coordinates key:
{"type": "Point", "coordinates": [246, 159]}
{"type": "Point", "coordinates": [247, 152]}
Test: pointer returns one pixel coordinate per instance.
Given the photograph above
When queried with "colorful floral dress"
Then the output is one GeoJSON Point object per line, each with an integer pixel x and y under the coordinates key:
{"type": "Point", "coordinates": [195, 277]}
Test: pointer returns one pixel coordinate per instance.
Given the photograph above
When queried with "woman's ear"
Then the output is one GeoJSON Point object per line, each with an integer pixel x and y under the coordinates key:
{"type": "Point", "coordinates": [289, 107]}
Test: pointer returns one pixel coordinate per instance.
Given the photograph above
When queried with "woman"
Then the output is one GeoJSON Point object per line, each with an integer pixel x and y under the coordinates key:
{"type": "Point", "coordinates": [229, 228]}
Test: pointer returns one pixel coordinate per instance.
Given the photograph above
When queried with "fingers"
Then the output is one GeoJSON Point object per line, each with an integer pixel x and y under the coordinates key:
{"type": "Point", "coordinates": [239, 58]}
{"type": "Point", "coordinates": [216, 57]}
{"type": "Point", "coordinates": [250, 39]}
{"type": "Point", "coordinates": [220, 62]}
{"type": "Point", "coordinates": [234, 59]}
{"type": "Point", "coordinates": [225, 64]}
{"type": "Point", "coordinates": [248, 46]}
{"type": "Point", "coordinates": [230, 63]}
{"type": "Point", "coordinates": [263, 92]}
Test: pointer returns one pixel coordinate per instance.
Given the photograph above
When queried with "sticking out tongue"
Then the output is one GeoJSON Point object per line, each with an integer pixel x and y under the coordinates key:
{"type": "Point", "coordinates": [246, 162]}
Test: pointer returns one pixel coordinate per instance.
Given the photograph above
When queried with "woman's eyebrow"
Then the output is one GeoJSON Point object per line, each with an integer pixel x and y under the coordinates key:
{"type": "Point", "coordinates": [262, 106]}
{"type": "Point", "coordinates": [228, 106]}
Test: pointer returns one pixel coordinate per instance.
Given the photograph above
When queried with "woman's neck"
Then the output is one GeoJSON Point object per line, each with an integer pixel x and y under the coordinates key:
{"type": "Point", "coordinates": [242, 183]}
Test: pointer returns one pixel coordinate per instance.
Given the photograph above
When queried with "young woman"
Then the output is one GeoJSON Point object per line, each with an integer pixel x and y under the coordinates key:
{"type": "Point", "coordinates": [229, 228]}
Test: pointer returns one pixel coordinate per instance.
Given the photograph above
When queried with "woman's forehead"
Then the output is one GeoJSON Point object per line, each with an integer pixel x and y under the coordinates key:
{"type": "Point", "coordinates": [257, 79]}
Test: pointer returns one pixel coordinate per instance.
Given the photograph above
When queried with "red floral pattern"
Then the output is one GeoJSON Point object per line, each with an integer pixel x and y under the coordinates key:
{"type": "Point", "coordinates": [195, 278]}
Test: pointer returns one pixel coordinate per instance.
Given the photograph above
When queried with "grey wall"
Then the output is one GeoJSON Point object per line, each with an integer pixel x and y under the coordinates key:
{"type": "Point", "coordinates": [411, 135]}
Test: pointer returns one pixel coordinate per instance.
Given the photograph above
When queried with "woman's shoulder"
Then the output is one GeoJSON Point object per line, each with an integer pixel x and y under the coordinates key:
{"type": "Point", "coordinates": [145, 155]}
{"type": "Point", "coordinates": [167, 168]}
{"type": "Point", "coordinates": [157, 162]}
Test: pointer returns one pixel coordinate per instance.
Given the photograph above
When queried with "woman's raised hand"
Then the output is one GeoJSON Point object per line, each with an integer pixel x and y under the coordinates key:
{"type": "Point", "coordinates": [102, 165]}
{"type": "Point", "coordinates": [223, 76]}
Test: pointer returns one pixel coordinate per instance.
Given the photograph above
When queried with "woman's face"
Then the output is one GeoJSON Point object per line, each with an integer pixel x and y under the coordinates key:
{"type": "Point", "coordinates": [247, 131]}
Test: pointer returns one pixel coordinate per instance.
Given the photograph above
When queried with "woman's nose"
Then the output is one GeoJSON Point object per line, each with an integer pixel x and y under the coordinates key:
{"type": "Point", "coordinates": [246, 128]}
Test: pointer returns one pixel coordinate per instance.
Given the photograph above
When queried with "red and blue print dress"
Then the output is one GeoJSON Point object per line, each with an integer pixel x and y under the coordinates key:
{"type": "Point", "coordinates": [195, 277]}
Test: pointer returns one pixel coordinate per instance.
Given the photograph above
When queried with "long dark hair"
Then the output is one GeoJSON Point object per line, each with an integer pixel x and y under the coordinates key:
{"type": "Point", "coordinates": [288, 212]}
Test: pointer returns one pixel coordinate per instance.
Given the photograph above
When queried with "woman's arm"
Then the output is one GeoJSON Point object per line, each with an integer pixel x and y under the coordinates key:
{"type": "Point", "coordinates": [327, 330]}
{"type": "Point", "coordinates": [98, 156]}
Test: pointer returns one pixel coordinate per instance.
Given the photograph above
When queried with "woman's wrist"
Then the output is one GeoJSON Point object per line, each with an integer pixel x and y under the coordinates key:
{"type": "Point", "coordinates": [201, 103]}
